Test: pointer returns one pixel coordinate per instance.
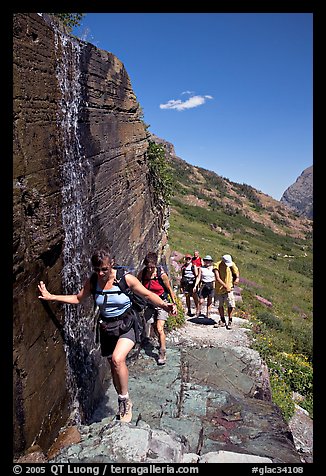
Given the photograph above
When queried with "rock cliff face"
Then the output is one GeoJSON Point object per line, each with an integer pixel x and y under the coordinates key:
{"type": "Point", "coordinates": [299, 196]}
{"type": "Point", "coordinates": [80, 182]}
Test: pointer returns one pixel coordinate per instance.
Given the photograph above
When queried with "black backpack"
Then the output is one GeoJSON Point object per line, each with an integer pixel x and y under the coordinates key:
{"type": "Point", "coordinates": [183, 278]}
{"type": "Point", "coordinates": [137, 302]}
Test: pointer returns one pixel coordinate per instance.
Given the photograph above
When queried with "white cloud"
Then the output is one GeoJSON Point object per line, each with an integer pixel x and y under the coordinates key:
{"type": "Point", "coordinates": [190, 103]}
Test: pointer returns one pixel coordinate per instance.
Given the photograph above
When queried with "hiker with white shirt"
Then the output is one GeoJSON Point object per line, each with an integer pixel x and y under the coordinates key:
{"type": "Point", "coordinates": [205, 282]}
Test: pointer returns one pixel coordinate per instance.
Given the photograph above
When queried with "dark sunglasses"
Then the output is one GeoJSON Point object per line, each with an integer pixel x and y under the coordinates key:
{"type": "Point", "coordinates": [106, 268]}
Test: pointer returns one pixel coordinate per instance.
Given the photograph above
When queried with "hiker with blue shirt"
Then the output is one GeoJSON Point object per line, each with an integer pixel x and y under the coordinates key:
{"type": "Point", "coordinates": [116, 319]}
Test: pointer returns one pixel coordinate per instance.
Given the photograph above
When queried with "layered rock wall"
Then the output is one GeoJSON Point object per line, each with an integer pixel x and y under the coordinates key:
{"type": "Point", "coordinates": [80, 183]}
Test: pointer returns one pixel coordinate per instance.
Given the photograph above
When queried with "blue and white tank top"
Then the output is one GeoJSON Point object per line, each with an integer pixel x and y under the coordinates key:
{"type": "Point", "coordinates": [113, 303]}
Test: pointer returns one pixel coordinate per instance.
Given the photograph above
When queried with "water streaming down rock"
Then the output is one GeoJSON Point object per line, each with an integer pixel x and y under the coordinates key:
{"type": "Point", "coordinates": [65, 108]}
{"type": "Point", "coordinates": [75, 211]}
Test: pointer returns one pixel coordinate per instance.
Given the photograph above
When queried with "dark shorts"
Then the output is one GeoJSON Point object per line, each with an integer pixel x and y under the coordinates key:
{"type": "Point", "coordinates": [109, 342]}
{"type": "Point", "coordinates": [188, 287]}
{"type": "Point", "coordinates": [206, 290]}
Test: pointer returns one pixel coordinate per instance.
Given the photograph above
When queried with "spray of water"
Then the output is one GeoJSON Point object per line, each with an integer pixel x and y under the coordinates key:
{"type": "Point", "coordinates": [74, 212]}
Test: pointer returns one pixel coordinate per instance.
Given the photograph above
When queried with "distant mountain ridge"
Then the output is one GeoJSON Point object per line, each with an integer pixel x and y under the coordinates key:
{"type": "Point", "coordinates": [204, 188]}
{"type": "Point", "coordinates": [299, 196]}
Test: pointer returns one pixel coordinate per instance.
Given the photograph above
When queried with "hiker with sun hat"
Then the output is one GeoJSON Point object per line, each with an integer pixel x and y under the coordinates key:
{"type": "Point", "coordinates": [226, 276]}
{"type": "Point", "coordinates": [205, 284]}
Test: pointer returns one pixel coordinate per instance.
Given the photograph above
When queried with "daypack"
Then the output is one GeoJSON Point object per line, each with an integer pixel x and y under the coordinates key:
{"type": "Point", "coordinates": [137, 302]}
{"type": "Point", "coordinates": [160, 280]}
{"type": "Point", "coordinates": [184, 267]}
{"type": "Point", "coordinates": [185, 279]}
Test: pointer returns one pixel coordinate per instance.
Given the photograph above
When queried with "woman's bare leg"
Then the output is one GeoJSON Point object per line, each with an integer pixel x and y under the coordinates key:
{"type": "Point", "coordinates": [119, 369]}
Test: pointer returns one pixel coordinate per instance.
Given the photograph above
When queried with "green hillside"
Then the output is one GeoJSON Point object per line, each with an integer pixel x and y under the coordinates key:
{"type": "Point", "coordinates": [273, 250]}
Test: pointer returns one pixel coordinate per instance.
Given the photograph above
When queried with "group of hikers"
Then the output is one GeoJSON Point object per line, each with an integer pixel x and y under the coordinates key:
{"type": "Point", "coordinates": [114, 291]}
{"type": "Point", "coordinates": [202, 279]}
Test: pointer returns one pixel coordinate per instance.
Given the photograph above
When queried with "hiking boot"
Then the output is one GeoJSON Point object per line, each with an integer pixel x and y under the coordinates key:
{"type": "Point", "coordinates": [229, 325]}
{"type": "Point", "coordinates": [125, 409]}
{"type": "Point", "coordinates": [162, 357]}
{"type": "Point", "coordinates": [146, 342]}
{"type": "Point", "coordinates": [189, 313]}
{"type": "Point", "coordinates": [220, 324]}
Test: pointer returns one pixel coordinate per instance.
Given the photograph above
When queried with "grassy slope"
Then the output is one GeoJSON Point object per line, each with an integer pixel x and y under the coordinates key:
{"type": "Point", "coordinates": [256, 256]}
{"type": "Point", "coordinates": [282, 332]}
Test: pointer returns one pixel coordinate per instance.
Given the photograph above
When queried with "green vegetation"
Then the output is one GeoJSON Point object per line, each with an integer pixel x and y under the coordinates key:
{"type": "Point", "coordinates": [275, 267]}
{"type": "Point", "coordinates": [173, 322]}
{"type": "Point", "coordinates": [290, 371]}
{"type": "Point", "coordinates": [281, 395]}
{"type": "Point", "coordinates": [248, 192]}
{"type": "Point", "coordinates": [70, 20]}
{"type": "Point", "coordinates": [160, 174]}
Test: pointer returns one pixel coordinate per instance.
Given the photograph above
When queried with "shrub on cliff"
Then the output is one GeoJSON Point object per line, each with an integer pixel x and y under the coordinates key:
{"type": "Point", "coordinates": [70, 20]}
{"type": "Point", "coordinates": [160, 173]}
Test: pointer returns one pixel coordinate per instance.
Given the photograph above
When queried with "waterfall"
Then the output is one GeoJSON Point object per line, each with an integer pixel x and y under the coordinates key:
{"type": "Point", "coordinates": [75, 216]}
{"type": "Point", "coordinates": [72, 169]}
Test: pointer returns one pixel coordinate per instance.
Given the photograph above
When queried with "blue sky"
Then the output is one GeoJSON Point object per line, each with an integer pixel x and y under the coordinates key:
{"type": "Point", "coordinates": [231, 91]}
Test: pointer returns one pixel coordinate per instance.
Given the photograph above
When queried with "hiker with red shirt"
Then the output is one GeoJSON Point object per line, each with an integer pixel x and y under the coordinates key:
{"type": "Point", "coordinates": [155, 279]}
{"type": "Point", "coordinates": [197, 260]}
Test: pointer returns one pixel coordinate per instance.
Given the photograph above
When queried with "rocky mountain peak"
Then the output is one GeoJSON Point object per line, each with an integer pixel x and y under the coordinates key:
{"type": "Point", "coordinates": [299, 196]}
{"type": "Point", "coordinates": [205, 188]}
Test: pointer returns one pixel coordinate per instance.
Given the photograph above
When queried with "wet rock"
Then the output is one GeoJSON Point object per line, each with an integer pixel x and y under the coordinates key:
{"type": "Point", "coordinates": [207, 404]}
{"type": "Point", "coordinates": [200, 403]}
{"type": "Point", "coordinates": [66, 437]}
{"type": "Point", "coordinates": [34, 454]}
{"type": "Point", "coordinates": [125, 443]}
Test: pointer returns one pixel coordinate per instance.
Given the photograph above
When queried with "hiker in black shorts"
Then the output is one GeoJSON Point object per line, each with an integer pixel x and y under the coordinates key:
{"type": "Point", "coordinates": [206, 280]}
{"type": "Point", "coordinates": [115, 311]}
{"type": "Point", "coordinates": [189, 273]}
